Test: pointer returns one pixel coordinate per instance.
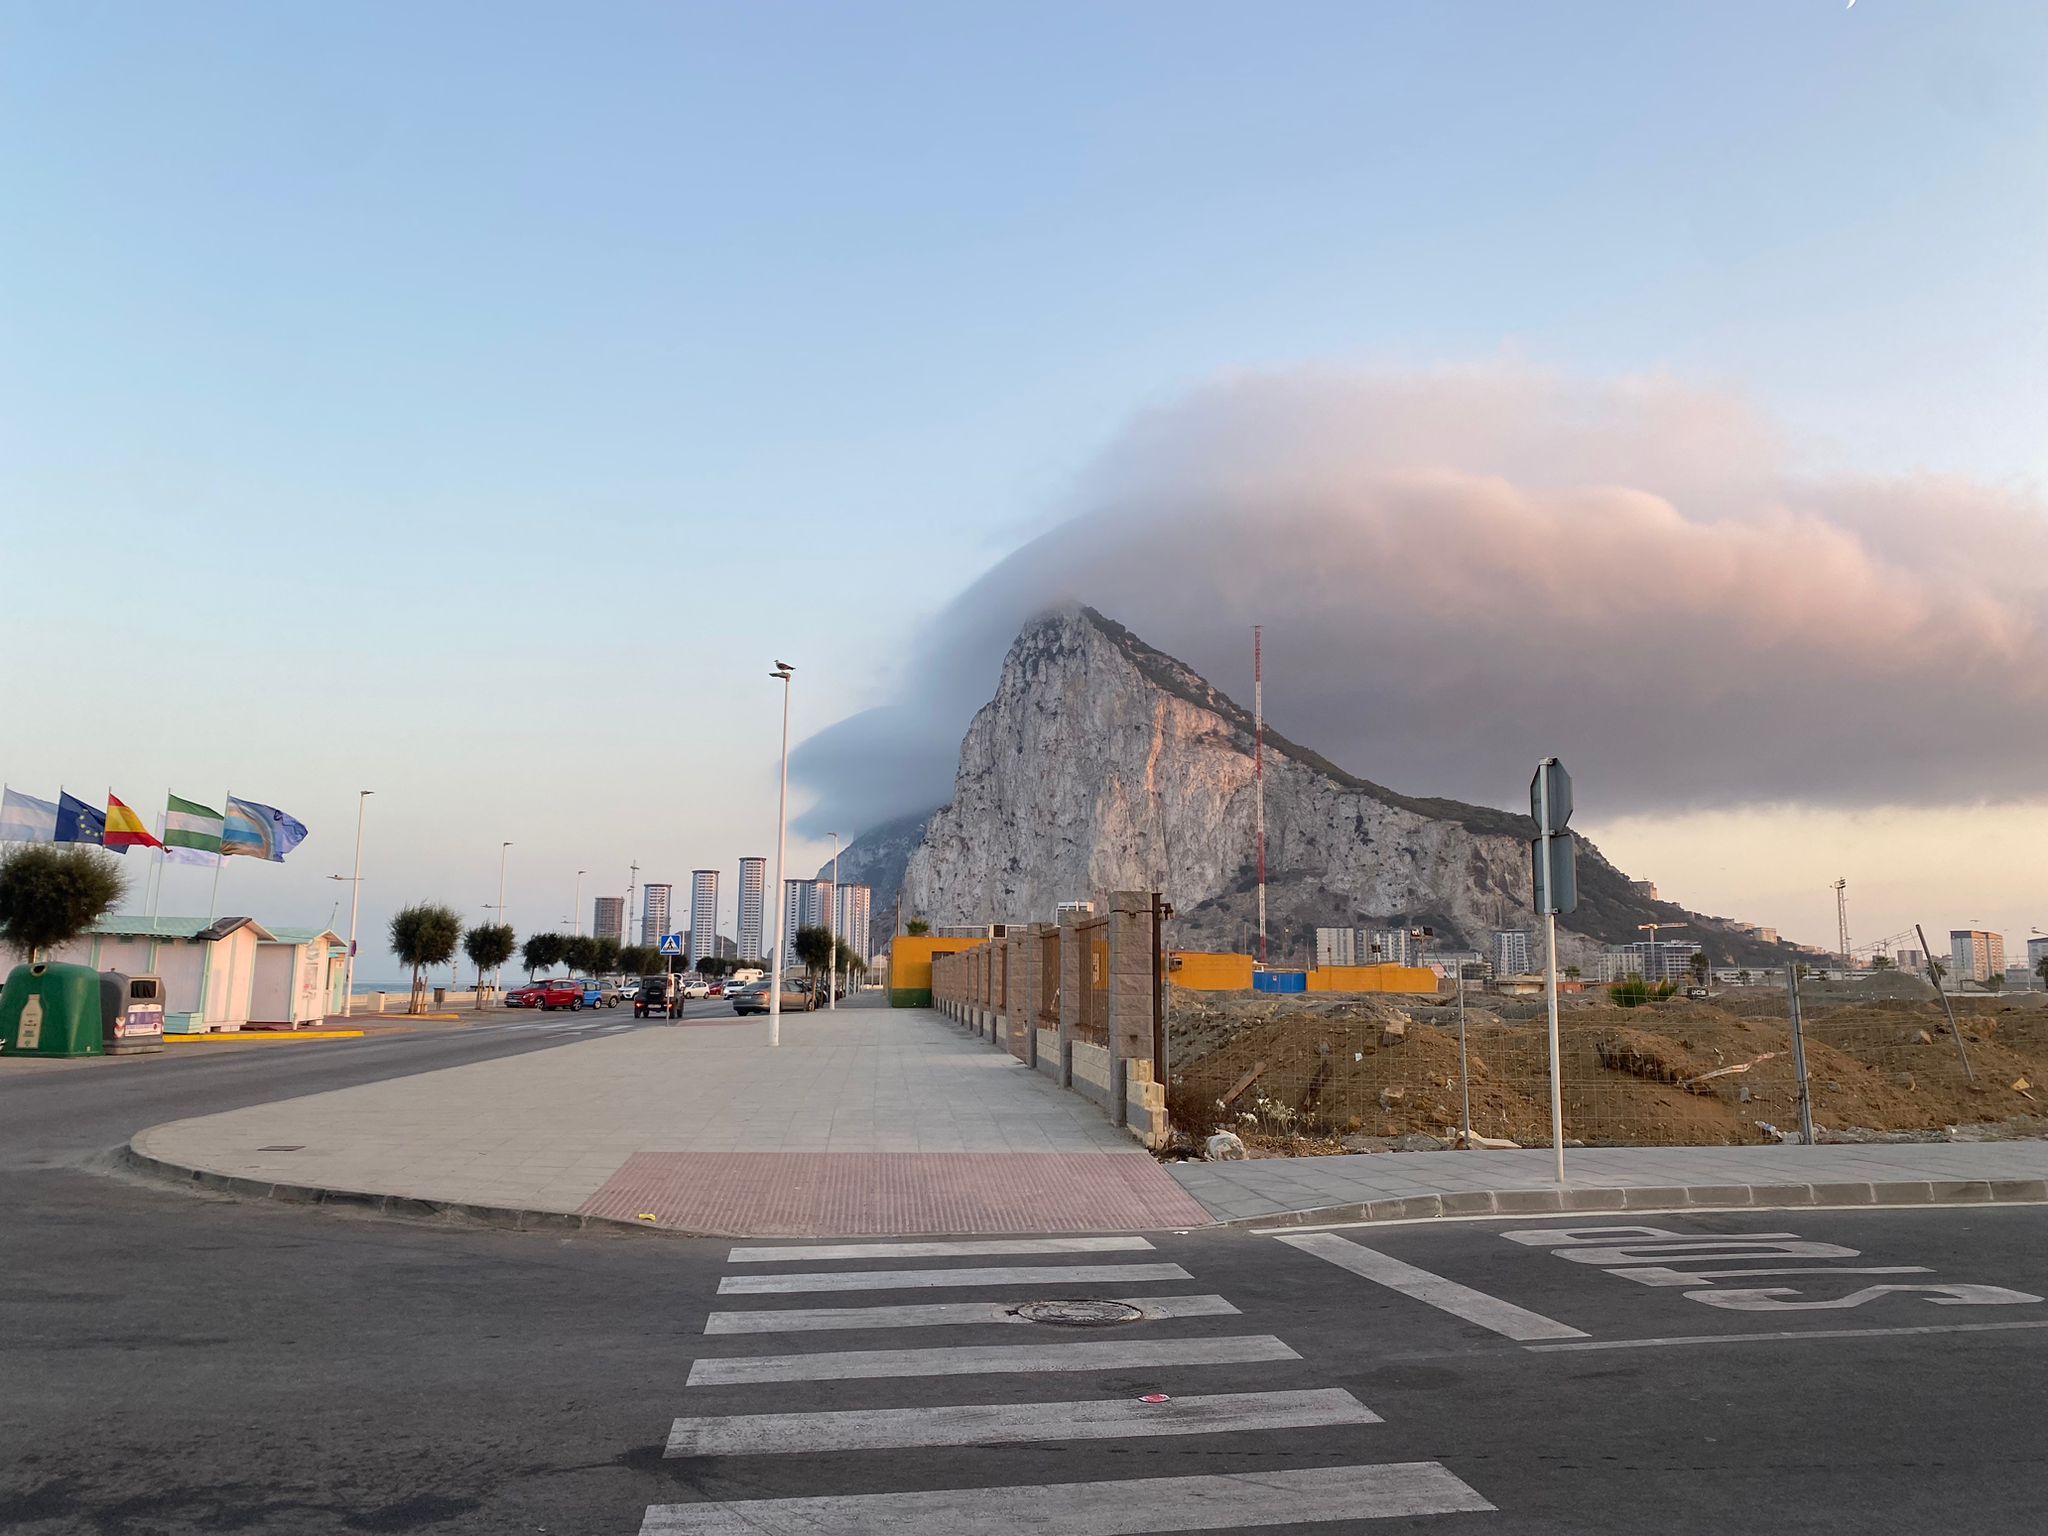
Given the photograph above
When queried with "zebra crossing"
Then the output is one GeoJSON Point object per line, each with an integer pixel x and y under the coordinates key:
{"type": "Point", "coordinates": [901, 1396]}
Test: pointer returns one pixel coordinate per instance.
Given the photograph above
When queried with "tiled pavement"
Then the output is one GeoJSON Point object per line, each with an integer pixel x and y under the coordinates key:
{"type": "Point", "coordinates": [1401, 1185]}
{"type": "Point", "coordinates": [867, 1120]}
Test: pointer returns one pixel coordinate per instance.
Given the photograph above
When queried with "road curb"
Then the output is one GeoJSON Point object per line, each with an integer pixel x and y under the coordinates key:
{"type": "Point", "coordinates": [500, 1217]}
{"type": "Point", "coordinates": [1606, 1200]}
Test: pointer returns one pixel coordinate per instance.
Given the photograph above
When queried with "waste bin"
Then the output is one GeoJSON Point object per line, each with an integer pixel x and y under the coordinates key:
{"type": "Point", "coordinates": [440, 997]}
{"type": "Point", "coordinates": [131, 1014]}
{"type": "Point", "coordinates": [51, 1010]}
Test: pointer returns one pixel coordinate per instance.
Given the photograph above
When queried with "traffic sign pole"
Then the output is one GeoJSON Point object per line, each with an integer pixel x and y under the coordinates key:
{"type": "Point", "coordinates": [1550, 970]}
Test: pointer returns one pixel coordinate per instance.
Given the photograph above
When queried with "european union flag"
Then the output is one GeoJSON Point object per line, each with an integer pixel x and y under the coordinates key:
{"type": "Point", "coordinates": [78, 822]}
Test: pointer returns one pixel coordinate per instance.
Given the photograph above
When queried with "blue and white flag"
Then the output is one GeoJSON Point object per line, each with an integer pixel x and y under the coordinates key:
{"type": "Point", "coordinates": [78, 822]}
{"type": "Point", "coordinates": [25, 819]}
{"type": "Point", "coordinates": [256, 831]}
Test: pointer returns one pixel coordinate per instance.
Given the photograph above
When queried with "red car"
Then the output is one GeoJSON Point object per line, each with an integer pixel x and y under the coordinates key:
{"type": "Point", "coordinates": [527, 996]}
{"type": "Point", "coordinates": [717, 989]}
{"type": "Point", "coordinates": [571, 992]}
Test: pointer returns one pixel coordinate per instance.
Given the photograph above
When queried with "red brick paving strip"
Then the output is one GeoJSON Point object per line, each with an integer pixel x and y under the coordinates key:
{"type": "Point", "coordinates": [895, 1194]}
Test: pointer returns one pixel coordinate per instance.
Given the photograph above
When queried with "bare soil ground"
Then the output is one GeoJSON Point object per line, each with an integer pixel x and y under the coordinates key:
{"type": "Point", "coordinates": [1326, 1068]}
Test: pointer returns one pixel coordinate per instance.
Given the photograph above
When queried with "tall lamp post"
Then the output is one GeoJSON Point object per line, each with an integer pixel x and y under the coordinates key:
{"type": "Point", "coordinates": [576, 906]}
{"type": "Point", "coordinates": [783, 673]}
{"type": "Point", "coordinates": [832, 927]}
{"type": "Point", "coordinates": [355, 892]}
{"type": "Point", "coordinates": [504, 850]}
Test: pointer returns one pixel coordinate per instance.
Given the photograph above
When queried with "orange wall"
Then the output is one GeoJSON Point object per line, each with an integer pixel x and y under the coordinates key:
{"type": "Point", "coordinates": [1372, 978]}
{"type": "Point", "coordinates": [910, 958]}
{"type": "Point", "coordinates": [1209, 972]}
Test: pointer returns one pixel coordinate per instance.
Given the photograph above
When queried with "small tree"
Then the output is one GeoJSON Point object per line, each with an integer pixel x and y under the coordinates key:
{"type": "Point", "coordinates": [711, 967]}
{"type": "Point", "coordinates": [639, 960]}
{"type": "Point", "coordinates": [814, 951]}
{"type": "Point", "coordinates": [1743, 977]}
{"type": "Point", "coordinates": [424, 935]}
{"type": "Point", "coordinates": [542, 952]}
{"type": "Point", "coordinates": [1572, 972]}
{"type": "Point", "coordinates": [917, 927]}
{"type": "Point", "coordinates": [50, 893]}
{"type": "Point", "coordinates": [1881, 962]}
{"type": "Point", "coordinates": [604, 955]}
{"type": "Point", "coordinates": [1994, 982]}
{"type": "Point", "coordinates": [578, 951]}
{"type": "Point", "coordinates": [1698, 966]}
{"type": "Point", "coordinates": [2041, 970]}
{"type": "Point", "coordinates": [1629, 992]}
{"type": "Point", "coordinates": [488, 945]}
{"type": "Point", "coordinates": [1939, 967]}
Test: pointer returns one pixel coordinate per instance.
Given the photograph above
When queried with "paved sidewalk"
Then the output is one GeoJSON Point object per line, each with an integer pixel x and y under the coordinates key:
{"type": "Point", "coordinates": [1402, 1186]}
{"type": "Point", "coordinates": [867, 1121]}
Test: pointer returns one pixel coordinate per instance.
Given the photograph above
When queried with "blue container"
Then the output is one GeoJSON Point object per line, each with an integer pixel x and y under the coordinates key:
{"type": "Point", "coordinates": [1279, 981]}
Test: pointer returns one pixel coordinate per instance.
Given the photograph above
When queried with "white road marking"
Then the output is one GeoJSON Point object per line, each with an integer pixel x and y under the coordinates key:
{"type": "Point", "coordinates": [1797, 1333]}
{"type": "Point", "coordinates": [1666, 1276]}
{"type": "Point", "coordinates": [874, 1429]}
{"type": "Point", "coordinates": [1123, 1508]}
{"type": "Point", "coordinates": [1765, 1298]}
{"type": "Point", "coordinates": [926, 1279]}
{"type": "Point", "coordinates": [939, 1314]}
{"type": "Point", "coordinates": [987, 1359]}
{"type": "Point", "coordinates": [1502, 1317]}
{"type": "Point", "coordinates": [941, 1250]}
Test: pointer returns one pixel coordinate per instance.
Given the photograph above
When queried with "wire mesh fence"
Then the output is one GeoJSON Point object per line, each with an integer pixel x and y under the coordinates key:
{"type": "Point", "coordinates": [1338, 1073]}
{"type": "Point", "coordinates": [1092, 1024]}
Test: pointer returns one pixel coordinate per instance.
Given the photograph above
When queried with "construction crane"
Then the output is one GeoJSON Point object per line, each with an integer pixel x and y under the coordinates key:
{"type": "Point", "coordinates": [1842, 923]}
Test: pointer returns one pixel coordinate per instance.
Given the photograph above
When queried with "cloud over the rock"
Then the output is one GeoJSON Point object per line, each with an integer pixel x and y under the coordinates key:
{"type": "Point", "coordinates": [1463, 571]}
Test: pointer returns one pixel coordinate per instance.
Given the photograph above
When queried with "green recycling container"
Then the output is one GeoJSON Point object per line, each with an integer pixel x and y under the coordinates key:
{"type": "Point", "coordinates": [51, 1010]}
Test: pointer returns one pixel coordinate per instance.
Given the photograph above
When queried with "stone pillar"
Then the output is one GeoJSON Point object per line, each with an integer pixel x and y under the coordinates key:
{"type": "Point", "coordinates": [1027, 989]}
{"type": "Point", "coordinates": [1130, 994]}
{"type": "Point", "coordinates": [1073, 977]}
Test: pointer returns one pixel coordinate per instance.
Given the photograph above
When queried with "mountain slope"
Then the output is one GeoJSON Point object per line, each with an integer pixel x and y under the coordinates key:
{"type": "Point", "coordinates": [1102, 763]}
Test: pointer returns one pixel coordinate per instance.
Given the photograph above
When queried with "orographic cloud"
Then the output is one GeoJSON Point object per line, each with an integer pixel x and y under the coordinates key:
{"type": "Point", "coordinates": [1464, 571]}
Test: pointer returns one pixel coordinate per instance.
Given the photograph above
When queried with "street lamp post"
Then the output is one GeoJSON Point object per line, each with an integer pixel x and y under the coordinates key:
{"type": "Point", "coordinates": [783, 673]}
{"type": "Point", "coordinates": [576, 906]}
{"type": "Point", "coordinates": [832, 927]}
{"type": "Point", "coordinates": [355, 892]}
{"type": "Point", "coordinates": [504, 850]}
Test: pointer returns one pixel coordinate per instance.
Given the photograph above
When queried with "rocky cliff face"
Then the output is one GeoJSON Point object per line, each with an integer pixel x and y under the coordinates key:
{"type": "Point", "coordinates": [1102, 764]}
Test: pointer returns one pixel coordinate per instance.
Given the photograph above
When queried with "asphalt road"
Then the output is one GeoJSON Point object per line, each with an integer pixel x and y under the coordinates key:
{"type": "Point", "coordinates": [173, 1363]}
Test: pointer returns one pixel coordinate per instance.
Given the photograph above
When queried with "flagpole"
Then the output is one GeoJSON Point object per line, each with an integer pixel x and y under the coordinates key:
{"type": "Point", "coordinates": [220, 858]}
{"type": "Point", "coordinates": [156, 887]}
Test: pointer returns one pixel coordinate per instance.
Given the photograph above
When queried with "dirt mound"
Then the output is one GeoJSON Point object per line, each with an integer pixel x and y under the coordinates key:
{"type": "Point", "coordinates": [1674, 1074]}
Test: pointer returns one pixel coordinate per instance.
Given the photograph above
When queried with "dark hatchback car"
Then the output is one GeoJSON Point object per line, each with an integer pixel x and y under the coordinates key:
{"type": "Point", "coordinates": [658, 997]}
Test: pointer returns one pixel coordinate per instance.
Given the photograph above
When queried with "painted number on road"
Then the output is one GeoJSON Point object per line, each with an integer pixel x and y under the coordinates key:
{"type": "Point", "coordinates": [1658, 1256]}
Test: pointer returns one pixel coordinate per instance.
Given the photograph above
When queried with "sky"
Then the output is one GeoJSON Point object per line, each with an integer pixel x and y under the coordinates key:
{"type": "Point", "coordinates": [471, 402]}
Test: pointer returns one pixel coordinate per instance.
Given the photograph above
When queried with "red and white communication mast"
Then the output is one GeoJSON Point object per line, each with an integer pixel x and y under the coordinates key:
{"type": "Point", "coordinates": [1259, 774]}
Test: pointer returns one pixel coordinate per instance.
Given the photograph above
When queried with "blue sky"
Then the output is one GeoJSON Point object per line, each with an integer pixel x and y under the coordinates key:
{"type": "Point", "coordinates": [421, 396]}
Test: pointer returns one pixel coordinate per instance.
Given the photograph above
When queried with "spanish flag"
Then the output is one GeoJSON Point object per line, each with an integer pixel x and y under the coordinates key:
{"type": "Point", "coordinates": [125, 828]}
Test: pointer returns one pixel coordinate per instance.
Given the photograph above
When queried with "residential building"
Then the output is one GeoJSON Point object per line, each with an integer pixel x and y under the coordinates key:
{"type": "Point", "coordinates": [1663, 960]}
{"type": "Point", "coordinates": [1513, 953]}
{"type": "Point", "coordinates": [853, 904]}
{"type": "Point", "coordinates": [1445, 962]}
{"type": "Point", "coordinates": [1975, 955]}
{"type": "Point", "coordinates": [1914, 960]}
{"type": "Point", "coordinates": [1336, 946]}
{"type": "Point", "coordinates": [1386, 946]}
{"type": "Point", "coordinates": [2037, 951]}
{"type": "Point", "coordinates": [703, 913]}
{"type": "Point", "coordinates": [654, 912]}
{"type": "Point", "coordinates": [753, 944]}
{"type": "Point", "coordinates": [608, 918]}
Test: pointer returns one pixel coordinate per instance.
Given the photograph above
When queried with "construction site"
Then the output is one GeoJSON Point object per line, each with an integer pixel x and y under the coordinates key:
{"type": "Point", "coordinates": [1303, 1075]}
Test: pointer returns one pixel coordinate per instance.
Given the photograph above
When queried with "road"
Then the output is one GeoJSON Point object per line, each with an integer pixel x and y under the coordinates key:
{"type": "Point", "coordinates": [175, 1364]}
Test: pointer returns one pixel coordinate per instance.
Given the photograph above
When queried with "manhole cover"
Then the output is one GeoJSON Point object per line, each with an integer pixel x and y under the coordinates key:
{"type": "Point", "coordinates": [1079, 1314]}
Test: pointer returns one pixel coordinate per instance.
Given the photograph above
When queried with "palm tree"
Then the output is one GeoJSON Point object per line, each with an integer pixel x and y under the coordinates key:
{"type": "Point", "coordinates": [50, 893]}
{"type": "Point", "coordinates": [917, 927]}
{"type": "Point", "coordinates": [1698, 966]}
{"type": "Point", "coordinates": [488, 945]}
{"type": "Point", "coordinates": [424, 935]}
{"type": "Point", "coordinates": [2041, 970]}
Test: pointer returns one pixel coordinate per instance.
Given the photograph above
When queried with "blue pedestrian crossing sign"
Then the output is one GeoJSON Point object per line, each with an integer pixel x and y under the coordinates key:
{"type": "Point", "coordinates": [671, 944]}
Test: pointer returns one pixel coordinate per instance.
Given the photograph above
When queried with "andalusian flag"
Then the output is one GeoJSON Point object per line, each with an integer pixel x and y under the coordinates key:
{"type": "Point", "coordinates": [192, 833]}
{"type": "Point", "coordinates": [124, 827]}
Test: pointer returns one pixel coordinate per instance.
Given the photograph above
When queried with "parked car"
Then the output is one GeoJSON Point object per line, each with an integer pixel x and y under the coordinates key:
{"type": "Point", "coordinates": [527, 996]}
{"type": "Point", "coordinates": [717, 989]}
{"type": "Point", "coordinates": [753, 997]}
{"type": "Point", "coordinates": [696, 986]}
{"type": "Point", "coordinates": [658, 997]}
{"type": "Point", "coordinates": [572, 993]}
